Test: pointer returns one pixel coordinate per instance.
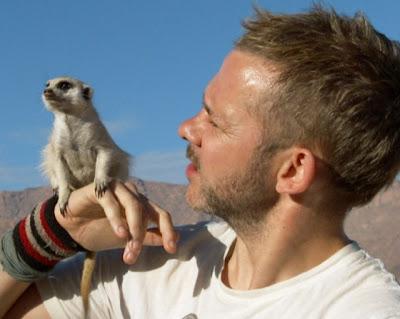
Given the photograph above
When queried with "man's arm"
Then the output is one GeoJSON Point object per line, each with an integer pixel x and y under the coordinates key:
{"type": "Point", "coordinates": [121, 206]}
{"type": "Point", "coordinates": [29, 304]}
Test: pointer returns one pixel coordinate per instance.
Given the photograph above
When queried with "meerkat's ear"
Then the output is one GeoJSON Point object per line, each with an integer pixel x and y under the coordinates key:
{"type": "Point", "coordinates": [87, 92]}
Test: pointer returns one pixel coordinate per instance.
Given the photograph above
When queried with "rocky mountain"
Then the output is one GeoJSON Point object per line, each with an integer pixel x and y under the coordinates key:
{"type": "Point", "coordinates": [376, 226]}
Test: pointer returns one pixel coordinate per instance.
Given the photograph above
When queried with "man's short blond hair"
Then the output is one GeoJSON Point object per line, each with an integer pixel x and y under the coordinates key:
{"type": "Point", "coordinates": [339, 92]}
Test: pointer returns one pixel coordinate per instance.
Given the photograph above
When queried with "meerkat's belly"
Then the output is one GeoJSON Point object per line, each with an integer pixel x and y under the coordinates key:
{"type": "Point", "coordinates": [82, 166]}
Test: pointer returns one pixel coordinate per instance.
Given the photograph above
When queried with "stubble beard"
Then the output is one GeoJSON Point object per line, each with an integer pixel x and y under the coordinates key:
{"type": "Point", "coordinates": [244, 198]}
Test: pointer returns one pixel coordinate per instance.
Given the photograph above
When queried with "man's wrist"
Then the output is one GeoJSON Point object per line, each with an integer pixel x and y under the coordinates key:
{"type": "Point", "coordinates": [36, 244]}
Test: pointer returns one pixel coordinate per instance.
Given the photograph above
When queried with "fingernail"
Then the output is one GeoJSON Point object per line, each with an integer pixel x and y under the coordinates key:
{"type": "Point", "coordinates": [135, 245]}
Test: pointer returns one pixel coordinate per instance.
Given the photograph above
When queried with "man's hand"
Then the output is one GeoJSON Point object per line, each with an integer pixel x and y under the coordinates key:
{"type": "Point", "coordinates": [118, 219]}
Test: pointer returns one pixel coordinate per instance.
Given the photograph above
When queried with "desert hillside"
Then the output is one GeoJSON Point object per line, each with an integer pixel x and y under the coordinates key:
{"type": "Point", "coordinates": [375, 226]}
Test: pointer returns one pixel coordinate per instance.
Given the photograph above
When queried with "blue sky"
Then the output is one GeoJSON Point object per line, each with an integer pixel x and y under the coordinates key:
{"type": "Point", "coordinates": [148, 62]}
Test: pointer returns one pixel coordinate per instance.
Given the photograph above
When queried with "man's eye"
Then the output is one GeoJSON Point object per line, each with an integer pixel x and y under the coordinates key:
{"type": "Point", "coordinates": [64, 85]}
{"type": "Point", "coordinates": [213, 123]}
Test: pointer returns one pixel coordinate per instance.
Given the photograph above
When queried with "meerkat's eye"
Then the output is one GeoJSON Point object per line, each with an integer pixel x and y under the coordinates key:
{"type": "Point", "coordinates": [64, 85]}
{"type": "Point", "coordinates": [47, 84]}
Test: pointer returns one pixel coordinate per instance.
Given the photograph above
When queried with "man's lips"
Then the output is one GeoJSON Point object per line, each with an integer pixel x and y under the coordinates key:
{"type": "Point", "coordinates": [191, 170]}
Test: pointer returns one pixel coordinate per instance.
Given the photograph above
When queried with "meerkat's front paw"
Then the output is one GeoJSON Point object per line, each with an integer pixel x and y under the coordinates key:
{"type": "Point", "coordinates": [63, 201]}
{"type": "Point", "coordinates": [101, 185]}
{"type": "Point", "coordinates": [63, 208]}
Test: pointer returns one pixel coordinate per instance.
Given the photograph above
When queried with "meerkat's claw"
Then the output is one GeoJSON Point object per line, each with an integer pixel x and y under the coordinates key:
{"type": "Point", "coordinates": [100, 188]}
{"type": "Point", "coordinates": [63, 202]}
{"type": "Point", "coordinates": [64, 209]}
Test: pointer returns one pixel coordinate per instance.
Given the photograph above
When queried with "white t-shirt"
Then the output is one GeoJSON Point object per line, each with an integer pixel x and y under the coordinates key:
{"type": "Point", "coordinates": [350, 284]}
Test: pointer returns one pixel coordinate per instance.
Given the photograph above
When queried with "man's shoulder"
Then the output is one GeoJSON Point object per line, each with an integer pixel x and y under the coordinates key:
{"type": "Point", "coordinates": [368, 290]}
{"type": "Point", "coordinates": [380, 302]}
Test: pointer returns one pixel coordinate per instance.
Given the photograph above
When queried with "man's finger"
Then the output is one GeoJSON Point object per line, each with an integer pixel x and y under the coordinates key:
{"type": "Point", "coordinates": [132, 187]}
{"type": "Point", "coordinates": [113, 211]}
{"type": "Point", "coordinates": [168, 233]}
{"type": "Point", "coordinates": [134, 216]}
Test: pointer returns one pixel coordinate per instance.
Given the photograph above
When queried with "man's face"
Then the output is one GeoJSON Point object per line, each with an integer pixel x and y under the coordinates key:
{"type": "Point", "coordinates": [229, 174]}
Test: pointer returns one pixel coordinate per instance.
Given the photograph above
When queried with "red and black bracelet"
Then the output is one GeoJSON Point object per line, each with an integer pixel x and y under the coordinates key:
{"type": "Point", "coordinates": [39, 242]}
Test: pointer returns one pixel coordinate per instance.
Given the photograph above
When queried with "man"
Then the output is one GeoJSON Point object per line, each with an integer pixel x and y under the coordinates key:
{"type": "Point", "coordinates": [299, 125]}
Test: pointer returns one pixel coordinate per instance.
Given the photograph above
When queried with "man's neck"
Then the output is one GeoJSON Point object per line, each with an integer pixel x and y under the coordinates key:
{"type": "Point", "coordinates": [291, 242]}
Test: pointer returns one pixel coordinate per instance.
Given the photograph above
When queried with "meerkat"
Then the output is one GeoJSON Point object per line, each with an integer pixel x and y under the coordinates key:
{"type": "Point", "coordinates": [80, 151]}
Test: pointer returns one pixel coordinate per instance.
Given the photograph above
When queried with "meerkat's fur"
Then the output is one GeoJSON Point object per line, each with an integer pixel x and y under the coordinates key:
{"type": "Point", "coordinates": [80, 151]}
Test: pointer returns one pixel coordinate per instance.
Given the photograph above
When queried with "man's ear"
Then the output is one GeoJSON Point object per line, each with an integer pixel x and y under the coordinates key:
{"type": "Point", "coordinates": [296, 172]}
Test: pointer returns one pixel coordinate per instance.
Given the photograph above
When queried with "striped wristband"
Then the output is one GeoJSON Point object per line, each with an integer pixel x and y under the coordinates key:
{"type": "Point", "coordinates": [36, 244]}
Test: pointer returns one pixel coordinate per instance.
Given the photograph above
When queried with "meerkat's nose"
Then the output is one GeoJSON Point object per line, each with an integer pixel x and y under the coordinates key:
{"type": "Point", "coordinates": [48, 93]}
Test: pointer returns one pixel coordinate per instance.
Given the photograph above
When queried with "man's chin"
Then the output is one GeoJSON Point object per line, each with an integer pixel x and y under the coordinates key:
{"type": "Point", "coordinates": [195, 200]}
{"type": "Point", "coordinates": [193, 203]}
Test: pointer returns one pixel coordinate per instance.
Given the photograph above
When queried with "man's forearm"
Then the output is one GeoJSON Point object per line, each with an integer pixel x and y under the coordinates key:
{"type": "Point", "coordinates": [10, 290]}
{"type": "Point", "coordinates": [30, 250]}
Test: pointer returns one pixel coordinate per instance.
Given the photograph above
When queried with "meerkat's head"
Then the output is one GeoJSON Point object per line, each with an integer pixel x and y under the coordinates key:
{"type": "Point", "coordinates": [67, 95]}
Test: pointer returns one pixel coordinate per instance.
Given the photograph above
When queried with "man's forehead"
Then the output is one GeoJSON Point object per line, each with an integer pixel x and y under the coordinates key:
{"type": "Point", "coordinates": [251, 65]}
{"type": "Point", "coordinates": [242, 75]}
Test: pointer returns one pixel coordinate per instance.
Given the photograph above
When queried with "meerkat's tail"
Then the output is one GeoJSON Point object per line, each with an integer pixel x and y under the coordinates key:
{"type": "Point", "coordinates": [87, 272]}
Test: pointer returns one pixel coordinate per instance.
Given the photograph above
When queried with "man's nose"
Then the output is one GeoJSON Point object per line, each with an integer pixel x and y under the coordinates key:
{"type": "Point", "coordinates": [190, 130]}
